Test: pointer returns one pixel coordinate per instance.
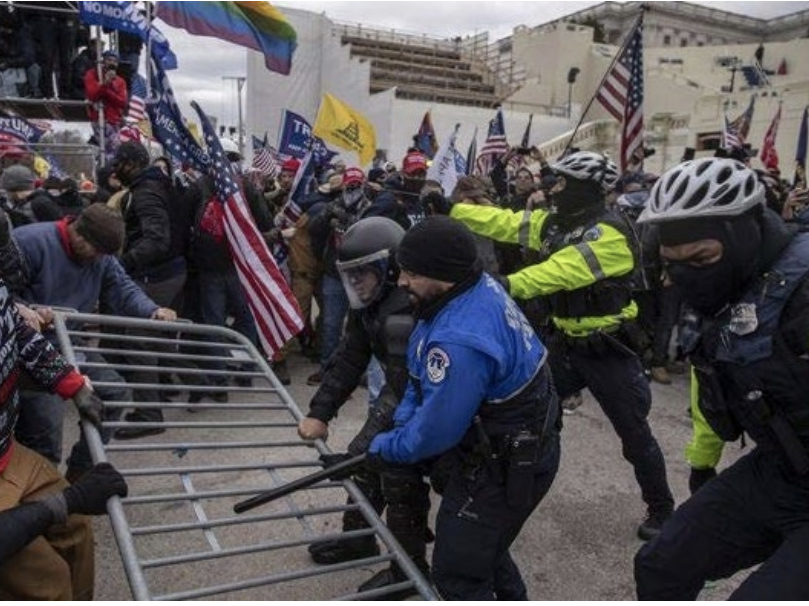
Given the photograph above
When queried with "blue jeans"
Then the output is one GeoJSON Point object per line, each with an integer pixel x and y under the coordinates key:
{"type": "Point", "coordinates": [335, 308]}
{"type": "Point", "coordinates": [221, 295]}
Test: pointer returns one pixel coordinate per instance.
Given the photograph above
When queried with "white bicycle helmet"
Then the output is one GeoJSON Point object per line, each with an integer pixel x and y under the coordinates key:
{"type": "Point", "coordinates": [709, 187]}
{"type": "Point", "coordinates": [589, 166]}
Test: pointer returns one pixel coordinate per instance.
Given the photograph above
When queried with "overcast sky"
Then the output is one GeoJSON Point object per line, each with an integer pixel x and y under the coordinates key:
{"type": "Point", "coordinates": [204, 61]}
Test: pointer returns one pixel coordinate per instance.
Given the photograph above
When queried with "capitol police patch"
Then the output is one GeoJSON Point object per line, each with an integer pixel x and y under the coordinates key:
{"type": "Point", "coordinates": [593, 234]}
{"type": "Point", "coordinates": [437, 364]}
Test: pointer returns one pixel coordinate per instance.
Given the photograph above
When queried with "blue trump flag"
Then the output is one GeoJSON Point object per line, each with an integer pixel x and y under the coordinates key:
{"type": "Point", "coordinates": [168, 126]}
{"type": "Point", "coordinates": [297, 140]}
{"type": "Point", "coordinates": [127, 17]}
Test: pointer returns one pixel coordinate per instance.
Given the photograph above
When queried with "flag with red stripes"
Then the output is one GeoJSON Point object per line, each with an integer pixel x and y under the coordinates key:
{"type": "Point", "coordinates": [769, 155]}
{"type": "Point", "coordinates": [494, 147]}
{"type": "Point", "coordinates": [621, 94]}
{"type": "Point", "coordinates": [265, 158]}
{"type": "Point", "coordinates": [274, 307]}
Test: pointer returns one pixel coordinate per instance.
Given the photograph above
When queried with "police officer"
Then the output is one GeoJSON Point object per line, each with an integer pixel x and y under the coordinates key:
{"type": "Point", "coordinates": [585, 270]}
{"type": "Point", "coordinates": [746, 274]}
{"type": "Point", "coordinates": [481, 397]}
{"type": "Point", "coordinates": [379, 325]}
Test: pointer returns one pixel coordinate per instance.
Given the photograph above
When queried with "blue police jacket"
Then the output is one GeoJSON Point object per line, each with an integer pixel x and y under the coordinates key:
{"type": "Point", "coordinates": [478, 349]}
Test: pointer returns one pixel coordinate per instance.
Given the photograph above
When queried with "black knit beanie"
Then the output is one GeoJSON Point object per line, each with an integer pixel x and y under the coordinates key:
{"type": "Point", "coordinates": [440, 248]}
{"type": "Point", "coordinates": [101, 226]}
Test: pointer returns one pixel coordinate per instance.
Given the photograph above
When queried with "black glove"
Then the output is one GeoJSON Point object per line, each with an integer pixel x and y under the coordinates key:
{"type": "Point", "coordinates": [436, 204]}
{"type": "Point", "coordinates": [375, 464]}
{"type": "Point", "coordinates": [699, 477]}
{"type": "Point", "coordinates": [90, 406]}
{"type": "Point", "coordinates": [89, 495]}
{"type": "Point", "coordinates": [330, 460]}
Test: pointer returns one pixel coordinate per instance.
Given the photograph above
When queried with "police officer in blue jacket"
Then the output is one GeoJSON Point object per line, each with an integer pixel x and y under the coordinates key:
{"type": "Point", "coordinates": [746, 275]}
{"type": "Point", "coordinates": [480, 403]}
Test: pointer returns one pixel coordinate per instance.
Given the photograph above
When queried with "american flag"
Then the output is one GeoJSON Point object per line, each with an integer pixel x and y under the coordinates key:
{"type": "Point", "coordinates": [769, 155]}
{"type": "Point", "coordinates": [136, 112]}
{"type": "Point", "coordinates": [494, 147]}
{"type": "Point", "coordinates": [736, 132]}
{"type": "Point", "coordinates": [730, 136]}
{"type": "Point", "coordinates": [274, 307]}
{"type": "Point", "coordinates": [265, 158]}
{"type": "Point", "coordinates": [621, 94]}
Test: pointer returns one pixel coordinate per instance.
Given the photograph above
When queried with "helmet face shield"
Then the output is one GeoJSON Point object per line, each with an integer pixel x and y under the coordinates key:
{"type": "Point", "coordinates": [364, 278]}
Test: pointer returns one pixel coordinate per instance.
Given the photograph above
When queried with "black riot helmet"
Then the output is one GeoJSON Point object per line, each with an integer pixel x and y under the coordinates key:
{"type": "Point", "coordinates": [366, 259]}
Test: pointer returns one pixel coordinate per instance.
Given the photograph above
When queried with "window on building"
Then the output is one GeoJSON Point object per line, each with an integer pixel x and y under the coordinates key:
{"type": "Point", "coordinates": [667, 40]}
{"type": "Point", "coordinates": [709, 141]}
{"type": "Point", "coordinates": [683, 42]}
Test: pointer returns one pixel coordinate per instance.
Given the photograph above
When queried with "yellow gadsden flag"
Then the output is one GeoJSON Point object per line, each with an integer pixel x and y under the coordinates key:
{"type": "Point", "coordinates": [345, 127]}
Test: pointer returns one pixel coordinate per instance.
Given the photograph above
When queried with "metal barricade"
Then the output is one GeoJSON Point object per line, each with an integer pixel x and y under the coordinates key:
{"type": "Point", "coordinates": [176, 530]}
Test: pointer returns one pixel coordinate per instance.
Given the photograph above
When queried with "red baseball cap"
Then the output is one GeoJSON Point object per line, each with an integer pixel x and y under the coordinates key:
{"type": "Point", "coordinates": [414, 161]}
{"type": "Point", "coordinates": [291, 165]}
{"type": "Point", "coordinates": [353, 176]}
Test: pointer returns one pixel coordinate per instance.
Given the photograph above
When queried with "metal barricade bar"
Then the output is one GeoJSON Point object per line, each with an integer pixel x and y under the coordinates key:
{"type": "Point", "coordinates": [176, 526]}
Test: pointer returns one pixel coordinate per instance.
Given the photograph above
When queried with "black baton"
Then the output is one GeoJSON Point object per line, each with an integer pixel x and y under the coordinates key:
{"type": "Point", "coordinates": [281, 491]}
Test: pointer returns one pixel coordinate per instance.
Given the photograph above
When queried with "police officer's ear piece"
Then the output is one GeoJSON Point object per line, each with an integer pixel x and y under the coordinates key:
{"type": "Point", "coordinates": [437, 204]}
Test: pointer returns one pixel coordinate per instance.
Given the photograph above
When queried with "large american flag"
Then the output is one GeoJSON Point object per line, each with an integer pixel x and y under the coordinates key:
{"type": "Point", "coordinates": [621, 94]}
{"type": "Point", "coordinates": [274, 307]}
{"type": "Point", "coordinates": [137, 110]}
{"type": "Point", "coordinates": [494, 147]}
{"type": "Point", "coordinates": [265, 158]}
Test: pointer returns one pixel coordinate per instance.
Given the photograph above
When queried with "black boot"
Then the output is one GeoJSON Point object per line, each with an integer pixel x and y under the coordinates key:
{"type": "Point", "coordinates": [357, 548]}
{"type": "Point", "coordinates": [386, 578]}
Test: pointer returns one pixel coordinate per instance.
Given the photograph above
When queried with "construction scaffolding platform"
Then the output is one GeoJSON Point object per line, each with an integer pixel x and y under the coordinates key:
{"type": "Point", "coordinates": [45, 109]}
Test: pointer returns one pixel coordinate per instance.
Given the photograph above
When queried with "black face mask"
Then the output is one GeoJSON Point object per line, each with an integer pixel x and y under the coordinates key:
{"type": "Point", "coordinates": [706, 288]}
{"type": "Point", "coordinates": [709, 288]}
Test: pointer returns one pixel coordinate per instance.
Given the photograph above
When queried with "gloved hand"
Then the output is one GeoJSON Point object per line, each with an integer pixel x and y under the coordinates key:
{"type": "Point", "coordinates": [330, 460]}
{"type": "Point", "coordinates": [436, 204]}
{"type": "Point", "coordinates": [5, 229]}
{"type": "Point", "coordinates": [375, 464]}
{"type": "Point", "coordinates": [89, 495]}
{"type": "Point", "coordinates": [90, 406]}
{"type": "Point", "coordinates": [699, 477]}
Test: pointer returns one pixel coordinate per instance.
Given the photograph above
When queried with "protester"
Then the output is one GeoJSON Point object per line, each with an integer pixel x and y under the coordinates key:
{"type": "Point", "coordinates": [58, 565]}
{"type": "Point", "coordinates": [21, 525]}
{"type": "Point", "coordinates": [71, 264]}
{"type": "Point", "coordinates": [157, 227]}
{"type": "Point", "coordinates": [744, 272]}
{"type": "Point", "coordinates": [25, 202]}
{"type": "Point", "coordinates": [108, 96]}
{"type": "Point", "coordinates": [481, 397]}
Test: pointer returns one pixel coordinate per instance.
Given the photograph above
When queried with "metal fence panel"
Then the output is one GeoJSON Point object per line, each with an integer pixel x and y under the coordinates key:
{"type": "Point", "coordinates": [176, 530]}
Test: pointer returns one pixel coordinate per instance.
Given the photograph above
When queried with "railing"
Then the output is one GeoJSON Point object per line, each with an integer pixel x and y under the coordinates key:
{"type": "Point", "coordinates": [176, 530]}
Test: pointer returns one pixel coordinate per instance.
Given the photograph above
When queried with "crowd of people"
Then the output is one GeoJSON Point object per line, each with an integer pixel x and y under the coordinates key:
{"type": "Point", "coordinates": [474, 317]}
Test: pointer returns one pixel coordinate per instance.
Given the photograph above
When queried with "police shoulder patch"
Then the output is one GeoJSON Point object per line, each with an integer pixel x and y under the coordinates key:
{"type": "Point", "coordinates": [437, 363]}
{"type": "Point", "coordinates": [593, 234]}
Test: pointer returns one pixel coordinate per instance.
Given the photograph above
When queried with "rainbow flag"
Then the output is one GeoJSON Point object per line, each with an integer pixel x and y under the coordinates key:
{"type": "Point", "coordinates": [256, 25]}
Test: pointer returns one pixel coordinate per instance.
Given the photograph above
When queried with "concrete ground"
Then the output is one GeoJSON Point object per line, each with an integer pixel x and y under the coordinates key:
{"type": "Point", "coordinates": [580, 542]}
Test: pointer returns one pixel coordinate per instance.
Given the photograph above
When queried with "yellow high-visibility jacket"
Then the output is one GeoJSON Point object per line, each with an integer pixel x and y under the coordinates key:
{"type": "Point", "coordinates": [602, 253]}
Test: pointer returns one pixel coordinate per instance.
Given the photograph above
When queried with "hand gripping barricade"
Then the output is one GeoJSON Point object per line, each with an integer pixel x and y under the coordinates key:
{"type": "Point", "coordinates": [176, 531]}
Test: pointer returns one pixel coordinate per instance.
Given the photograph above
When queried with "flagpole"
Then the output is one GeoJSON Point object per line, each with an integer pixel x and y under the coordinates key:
{"type": "Point", "coordinates": [615, 59]}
